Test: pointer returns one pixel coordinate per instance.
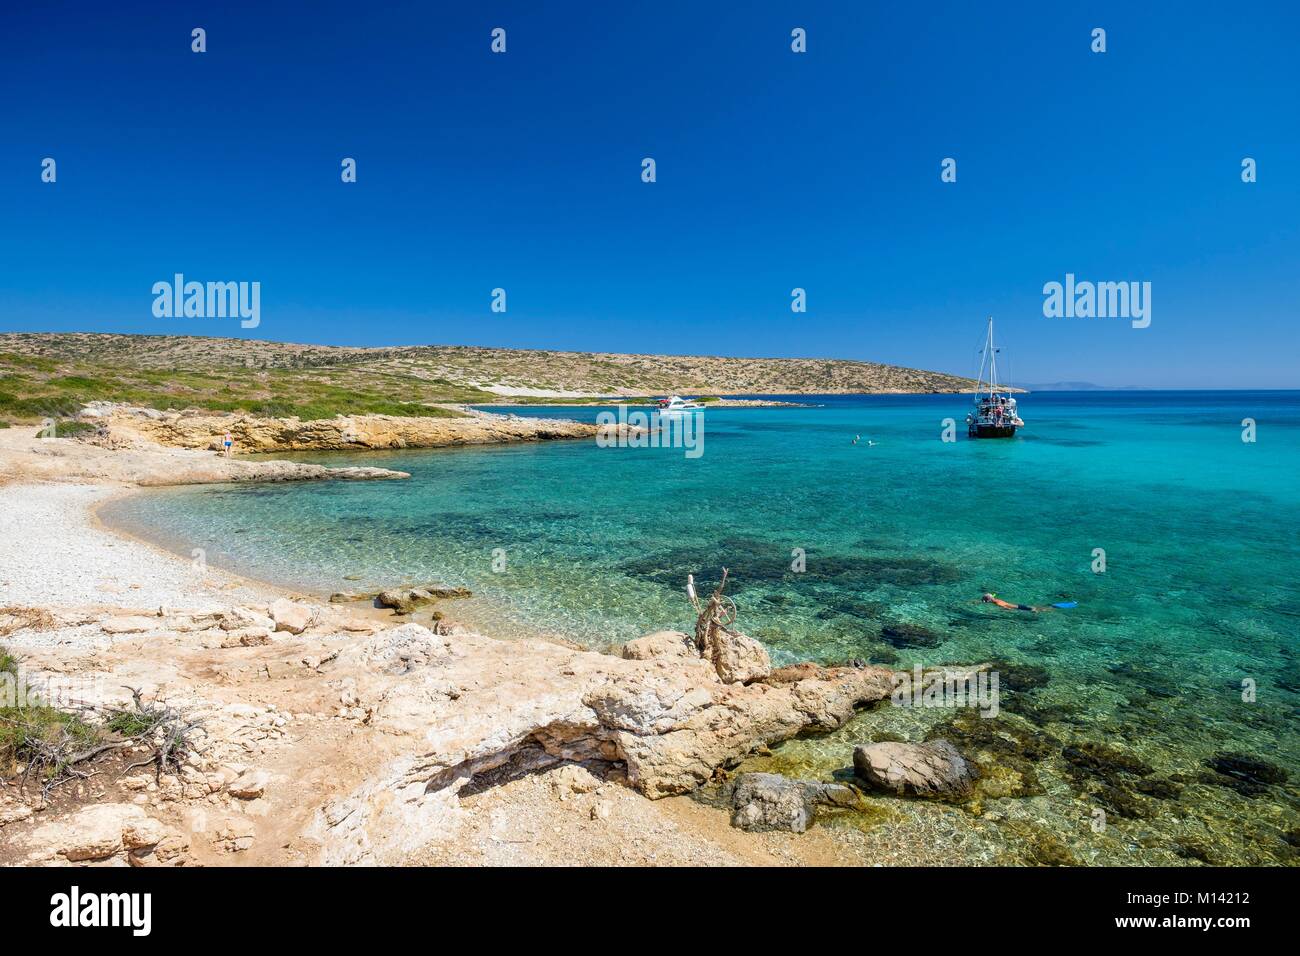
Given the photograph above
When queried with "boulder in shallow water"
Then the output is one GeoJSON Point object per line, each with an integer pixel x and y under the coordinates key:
{"type": "Point", "coordinates": [404, 600]}
{"type": "Point", "coordinates": [768, 801]}
{"type": "Point", "coordinates": [932, 769]}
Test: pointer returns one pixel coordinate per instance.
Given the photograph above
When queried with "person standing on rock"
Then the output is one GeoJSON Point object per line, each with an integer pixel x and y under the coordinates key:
{"type": "Point", "coordinates": [226, 443]}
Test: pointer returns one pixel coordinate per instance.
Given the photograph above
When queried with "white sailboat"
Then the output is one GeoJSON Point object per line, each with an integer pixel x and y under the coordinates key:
{"type": "Point", "coordinates": [995, 415]}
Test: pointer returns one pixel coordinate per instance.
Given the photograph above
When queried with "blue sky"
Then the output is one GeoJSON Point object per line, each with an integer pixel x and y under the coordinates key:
{"type": "Point", "coordinates": [775, 170]}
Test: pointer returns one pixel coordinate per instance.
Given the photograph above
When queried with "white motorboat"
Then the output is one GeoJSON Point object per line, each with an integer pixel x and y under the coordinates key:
{"type": "Point", "coordinates": [667, 406]}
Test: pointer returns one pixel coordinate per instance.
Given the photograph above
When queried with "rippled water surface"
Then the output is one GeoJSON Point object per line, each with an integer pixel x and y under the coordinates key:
{"type": "Point", "coordinates": [1201, 590]}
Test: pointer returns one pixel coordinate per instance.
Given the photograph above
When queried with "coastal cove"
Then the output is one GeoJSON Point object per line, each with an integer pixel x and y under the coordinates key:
{"type": "Point", "coordinates": [900, 538]}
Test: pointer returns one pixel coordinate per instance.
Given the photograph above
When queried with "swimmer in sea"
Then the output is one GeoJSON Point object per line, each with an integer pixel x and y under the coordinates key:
{"type": "Point", "coordinates": [994, 599]}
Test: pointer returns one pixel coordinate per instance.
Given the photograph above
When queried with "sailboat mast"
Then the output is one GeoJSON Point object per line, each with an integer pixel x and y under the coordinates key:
{"type": "Point", "coordinates": [993, 359]}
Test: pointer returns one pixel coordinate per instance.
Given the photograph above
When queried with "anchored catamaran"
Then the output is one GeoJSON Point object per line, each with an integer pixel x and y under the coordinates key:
{"type": "Point", "coordinates": [995, 414]}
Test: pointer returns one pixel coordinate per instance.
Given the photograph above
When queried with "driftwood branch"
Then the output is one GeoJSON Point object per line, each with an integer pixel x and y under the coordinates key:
{"type": "Point", "coordinates": [716, 615]}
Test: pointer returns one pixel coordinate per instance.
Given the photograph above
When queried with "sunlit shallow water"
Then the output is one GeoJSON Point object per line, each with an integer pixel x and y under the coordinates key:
{"type": "Point", "coordinates": [1200, 591]}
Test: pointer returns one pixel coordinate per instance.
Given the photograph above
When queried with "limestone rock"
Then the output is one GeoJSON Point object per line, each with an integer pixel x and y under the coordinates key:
{"type": "Point", "coordinates": [739, 659]}
{"type": "Point", "coordinates": [480, 705]}
{"type": "Point", "coordinates": [198, 429]}
{"type": "Point", "coordinates": [647, 704]}
{"type": "Point", "coordinates": [768, 801]}
{"type": "Point", "coordinates": [130, 625]}
{"type": "Point", "coordinates": [172, 849]}
{"type": "Point", "coordinates": [573, 778]}
{"type": "Point", "coordinates": [11, 811]}
{"type": "Point", "coordinates": [250, 785]}
{"type": "Point", "coordinates": [140, 833]}
{"type": "Point", "coordinates": [241, 618]}
{"type": "Point", "coordinates": [247, 637]}
{"type": "Point", "coordinates": [397, 650]}
{"type": "Point", "coordinates": [358, 625]}
{"type": "Point", "coordinates": [932, 769]}
{"type": "Point", "coordinates": [235, 834]}
{"type": "Point", "coordinates": [668, 644]}
{"type": "Point", "coordinates": [291, 616]}
{"type": "Point", "coordinates": [96, 832]}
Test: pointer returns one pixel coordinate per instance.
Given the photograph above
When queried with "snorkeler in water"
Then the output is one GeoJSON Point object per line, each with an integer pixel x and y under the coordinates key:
{"type": "Point", "coordinates": [989, 598]}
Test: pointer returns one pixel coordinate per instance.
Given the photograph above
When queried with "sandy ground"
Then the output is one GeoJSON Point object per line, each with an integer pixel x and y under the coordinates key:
{"type": "Point", "coordinates": [55, 555]}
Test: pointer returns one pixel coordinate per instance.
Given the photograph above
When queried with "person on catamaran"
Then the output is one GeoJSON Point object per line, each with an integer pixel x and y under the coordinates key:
{"type": "Point", "coordinates": [994, 599]}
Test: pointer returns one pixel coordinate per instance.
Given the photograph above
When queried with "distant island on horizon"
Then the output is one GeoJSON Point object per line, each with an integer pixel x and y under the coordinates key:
{"type": "Point", "coordinates": [1074, 387]}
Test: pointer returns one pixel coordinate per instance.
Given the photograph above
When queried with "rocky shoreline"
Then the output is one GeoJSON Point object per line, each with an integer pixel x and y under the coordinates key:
{"type": "Point", "coordinates": [394, 727]}
{"type": "Point", "coordinates": [140, 446]}
{"type": "Point", "coordinates": [128, 427]}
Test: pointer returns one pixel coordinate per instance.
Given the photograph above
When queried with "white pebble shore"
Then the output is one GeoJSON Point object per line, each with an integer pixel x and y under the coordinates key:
{"type": "Point", "coordinates": [52, 554]}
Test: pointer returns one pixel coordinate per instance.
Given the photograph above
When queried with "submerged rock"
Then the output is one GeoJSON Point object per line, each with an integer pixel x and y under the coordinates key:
{"type": "Point", "coordinates": [1039, 712]}
{"type": "Point", "coordinates": [1020, 677]}
{"type": "Point", "coordinates": [1109, 776]}
{"type": "Point", "coordinates": [769, 801]}
{"type": "Point", "coordinates": [1248, 775]}
{"type": "Point", "coordinates": [1039, 846]}
{"type": "Point", "coordinates": [407, 599]}
{"type": "Point", "coordinates": [932, 769]}
{"type": "Point", "coordinates": [1190, 849]}
{"type": "Point", "coordinates": [902, 634]}
{"type": "Point", "coordinates": [1010, 740]}
{"type": "Point", "coordinates": [1103, 760]}
{"type": "Point", "coordinates": [759, 563]}
{"type": "Point", "coordinates": [1159, 788]}
{"type": "Point", "coordinates": [1120, 801]}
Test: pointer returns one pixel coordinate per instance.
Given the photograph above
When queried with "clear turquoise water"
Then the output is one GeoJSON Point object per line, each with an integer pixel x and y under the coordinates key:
{"type": "Point", "coordinates": [1201, 589]}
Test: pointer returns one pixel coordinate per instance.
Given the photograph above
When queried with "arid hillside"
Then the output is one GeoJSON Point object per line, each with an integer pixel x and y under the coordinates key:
{"type": "Point", "coordinates": [52, 374]}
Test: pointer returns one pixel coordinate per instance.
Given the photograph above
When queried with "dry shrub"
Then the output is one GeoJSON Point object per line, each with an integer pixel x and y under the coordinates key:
{"type": "Point", "coordinates": [15, 617]}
